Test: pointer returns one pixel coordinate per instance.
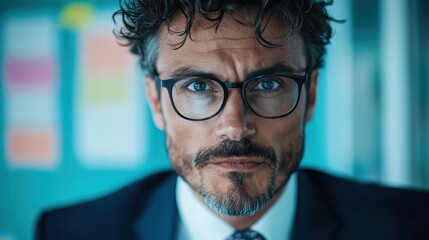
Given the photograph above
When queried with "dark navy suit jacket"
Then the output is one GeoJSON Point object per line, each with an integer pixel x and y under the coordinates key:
{"type": "Point", "coordinates": [328, 208]}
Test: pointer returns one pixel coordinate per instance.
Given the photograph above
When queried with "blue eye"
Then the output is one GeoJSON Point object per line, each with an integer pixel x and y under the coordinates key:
{"type": "Point", "coordinates": [267, 85]}
{"type": "Point", "coordinates": [197, 86]}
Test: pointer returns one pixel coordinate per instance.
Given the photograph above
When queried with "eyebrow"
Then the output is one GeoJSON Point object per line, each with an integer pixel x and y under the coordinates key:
{"type": "Point", "coordinates": [276, 68]}
{"type": "Point", "coordinates": [192, 72]}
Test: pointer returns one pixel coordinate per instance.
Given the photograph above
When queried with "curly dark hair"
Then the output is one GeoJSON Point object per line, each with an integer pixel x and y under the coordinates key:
{"type": "Point", "coordinates": [142, 19]}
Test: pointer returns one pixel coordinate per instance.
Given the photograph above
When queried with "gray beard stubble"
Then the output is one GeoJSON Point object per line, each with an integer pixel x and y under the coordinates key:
{"type": "Point", "coordinates": [237, 202]}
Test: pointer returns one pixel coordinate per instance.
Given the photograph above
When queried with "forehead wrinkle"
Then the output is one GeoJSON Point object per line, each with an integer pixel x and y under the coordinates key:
{"type": "Point", "coordinates": [227, 64]}
{"type": "Point", "coordinates": [231, 52]}
{"type": "Point", "coordinates": [229, 31]}
{"type": "Point", "coordinates": [224, 44]}
{"type": "Point", "coordinates": [219, 49]}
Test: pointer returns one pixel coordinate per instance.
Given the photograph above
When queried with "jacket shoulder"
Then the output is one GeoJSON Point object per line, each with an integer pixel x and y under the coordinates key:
{"type": "Point", "coordinates": [371, 208]}
{"type": "Point", "coordinates": [107, 217]}
{"type": "Point", "coordinates": [348, 188]}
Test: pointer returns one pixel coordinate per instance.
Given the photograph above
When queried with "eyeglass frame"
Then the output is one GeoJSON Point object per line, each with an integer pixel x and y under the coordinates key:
{"type": "Point", "coordinates": [169, 84]}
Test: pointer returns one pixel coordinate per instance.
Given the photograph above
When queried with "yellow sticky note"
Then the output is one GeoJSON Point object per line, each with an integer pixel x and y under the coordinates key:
{"type": "Point", "coordinates": [76, 15]}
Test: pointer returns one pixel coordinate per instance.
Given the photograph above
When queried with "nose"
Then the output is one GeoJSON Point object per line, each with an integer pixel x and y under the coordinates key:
{"type": "Point", "coordinates": [235, 122]}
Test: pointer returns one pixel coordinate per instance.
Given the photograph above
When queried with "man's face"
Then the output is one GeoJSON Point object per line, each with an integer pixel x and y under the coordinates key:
{"type": "Point", "coordinates": [236, 160]}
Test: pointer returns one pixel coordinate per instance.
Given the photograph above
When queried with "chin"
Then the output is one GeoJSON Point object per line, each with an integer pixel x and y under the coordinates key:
{"type": "Point", "coordinates": [236, 197]}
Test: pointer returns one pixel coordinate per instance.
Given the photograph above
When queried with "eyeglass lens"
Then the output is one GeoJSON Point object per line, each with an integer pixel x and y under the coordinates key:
{"type": "Point", "coordinates": [198, 98]}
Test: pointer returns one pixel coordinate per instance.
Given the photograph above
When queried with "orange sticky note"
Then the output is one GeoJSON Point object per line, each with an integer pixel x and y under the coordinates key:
{"type": "Point", "coordinates": [35, 148]}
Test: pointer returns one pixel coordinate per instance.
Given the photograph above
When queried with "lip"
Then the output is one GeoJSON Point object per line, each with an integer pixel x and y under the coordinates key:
{"type": "Point", "coordinates": [239, 164]}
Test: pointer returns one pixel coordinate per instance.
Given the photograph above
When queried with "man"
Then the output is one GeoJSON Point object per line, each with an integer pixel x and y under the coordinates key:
{"type": "Point", "coordinates": [233, 84]}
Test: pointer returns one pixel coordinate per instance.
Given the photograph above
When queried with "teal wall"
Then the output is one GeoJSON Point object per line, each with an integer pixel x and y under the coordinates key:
{"type": "Point", "coordinates": [26, 189]}
{"type": "Point", "coordinates": [103, 133]}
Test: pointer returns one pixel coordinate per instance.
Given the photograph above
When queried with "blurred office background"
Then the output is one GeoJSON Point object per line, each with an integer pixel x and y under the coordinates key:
{"type": "Point", "coordinates": [75, 124]}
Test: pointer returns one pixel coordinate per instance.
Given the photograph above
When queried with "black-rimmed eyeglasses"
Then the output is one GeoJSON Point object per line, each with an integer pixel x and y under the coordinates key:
{"type": "Point", "coordinates": [200, 98]}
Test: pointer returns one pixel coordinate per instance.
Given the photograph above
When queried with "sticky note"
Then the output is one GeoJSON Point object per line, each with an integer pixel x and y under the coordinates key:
{"type": "Point", "coordinates": [109, 100]}
{"type": "Point", "coordinates": [76, 15]}
{"type": "Point", "coordinates": [35, 148]}
{"type": "Point", "coordinates": [31, 99]}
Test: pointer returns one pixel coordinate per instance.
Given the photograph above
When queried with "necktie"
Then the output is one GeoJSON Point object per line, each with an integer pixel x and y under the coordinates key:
{"type": "Point", "coordinates": [246, 235]}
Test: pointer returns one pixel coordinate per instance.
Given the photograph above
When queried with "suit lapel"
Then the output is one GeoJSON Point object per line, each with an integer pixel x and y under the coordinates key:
{"type": "Point", "coordinates": [315, 218]}
{"type": "Point", "coordinates": [158, 218]}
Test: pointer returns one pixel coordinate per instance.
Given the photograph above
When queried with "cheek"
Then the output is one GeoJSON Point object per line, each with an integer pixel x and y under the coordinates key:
{"type": "Point", "coordinates": [287, 130]}
{"type": "Point", "coordinates": [172, 120]}
{"type": "Point", "coordinates": [188, 137]}
{"type": "Point", "coordinates": [286, 136]}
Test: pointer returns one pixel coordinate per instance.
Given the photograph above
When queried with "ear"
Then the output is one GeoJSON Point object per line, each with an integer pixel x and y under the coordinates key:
{"type": "Point", "coordinates": [312, 94]}
{"type": "Point", "coordinates": [154, 102]}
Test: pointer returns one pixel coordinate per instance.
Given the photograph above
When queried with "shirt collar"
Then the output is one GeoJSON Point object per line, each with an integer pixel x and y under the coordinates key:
{"type": "Point", "coordinates": [197, 221]}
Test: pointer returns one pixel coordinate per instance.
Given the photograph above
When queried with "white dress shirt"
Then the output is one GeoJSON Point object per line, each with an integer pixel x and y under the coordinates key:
{"type": "Point", "coordinates": [197, 221]}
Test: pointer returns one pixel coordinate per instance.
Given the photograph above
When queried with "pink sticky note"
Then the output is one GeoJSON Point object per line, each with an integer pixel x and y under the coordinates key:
{"type": "Point", "coordinates": [32, 72]}
{"type": "Point", "coordinates": [103, 53]}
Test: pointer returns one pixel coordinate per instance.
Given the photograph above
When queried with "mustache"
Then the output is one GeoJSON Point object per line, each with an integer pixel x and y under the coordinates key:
{"type": "Point", "coordinates": [231, 148]}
